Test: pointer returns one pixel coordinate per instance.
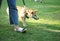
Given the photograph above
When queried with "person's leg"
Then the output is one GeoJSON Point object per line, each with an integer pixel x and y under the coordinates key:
{"type": "Point", "coordinates": [0, 3]}
{"type": "Point", "coordinates": [13, 14]}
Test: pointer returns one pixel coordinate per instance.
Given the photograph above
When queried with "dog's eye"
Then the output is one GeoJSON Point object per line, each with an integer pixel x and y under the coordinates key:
{"type": "Point", "coordinates": [32, 12]}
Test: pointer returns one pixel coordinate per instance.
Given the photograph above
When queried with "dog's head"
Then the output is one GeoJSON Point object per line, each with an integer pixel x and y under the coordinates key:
{"type": "Point", "coordinates": [32, 13]}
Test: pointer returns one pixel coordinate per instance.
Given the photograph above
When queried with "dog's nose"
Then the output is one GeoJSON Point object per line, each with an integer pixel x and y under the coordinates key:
{"type": "Point", "coordinates": [37, 18]}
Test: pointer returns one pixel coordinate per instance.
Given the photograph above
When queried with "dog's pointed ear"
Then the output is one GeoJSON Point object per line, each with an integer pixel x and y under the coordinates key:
{"type": "Point", "coordinates": [27, 10]}
{"type": "Point", "coordinates": [35, 10]}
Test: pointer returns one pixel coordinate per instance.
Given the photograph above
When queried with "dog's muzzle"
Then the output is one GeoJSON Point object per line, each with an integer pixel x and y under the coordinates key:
{"type": "Point", "coordinates": [35, 17]}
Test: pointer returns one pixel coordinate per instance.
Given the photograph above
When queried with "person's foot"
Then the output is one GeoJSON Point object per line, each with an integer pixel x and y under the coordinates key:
{"type": "Point", "coordinates": [23, 30]}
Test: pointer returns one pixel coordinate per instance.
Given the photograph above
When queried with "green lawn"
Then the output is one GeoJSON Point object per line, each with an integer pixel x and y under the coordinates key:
{"type": "Point", "coordinates": [47, 28]}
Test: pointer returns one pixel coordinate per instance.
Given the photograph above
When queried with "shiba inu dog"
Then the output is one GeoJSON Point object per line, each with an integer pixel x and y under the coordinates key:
{"type": "Point", "coordinates": [24, 12]}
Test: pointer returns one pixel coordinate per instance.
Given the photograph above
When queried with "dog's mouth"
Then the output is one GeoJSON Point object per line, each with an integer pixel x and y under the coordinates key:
{"type": "Point", "coordinates": [35, 17]}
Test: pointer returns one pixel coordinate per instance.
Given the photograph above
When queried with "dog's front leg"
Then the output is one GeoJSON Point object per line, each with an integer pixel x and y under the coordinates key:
{"type": "Point", "coordinates": [23, 21]}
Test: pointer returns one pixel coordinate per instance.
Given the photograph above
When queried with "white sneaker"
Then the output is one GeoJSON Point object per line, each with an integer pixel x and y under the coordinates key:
{"type": "Point", "coordinates": [23, 30]}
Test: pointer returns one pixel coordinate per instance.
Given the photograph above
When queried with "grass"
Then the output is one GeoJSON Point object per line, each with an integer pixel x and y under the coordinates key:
{"type": "Point", "coordinates": [47, 28]}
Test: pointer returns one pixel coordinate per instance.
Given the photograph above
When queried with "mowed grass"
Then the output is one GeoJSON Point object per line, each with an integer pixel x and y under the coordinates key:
{"type": "Point", "coordinates": [47, 28]}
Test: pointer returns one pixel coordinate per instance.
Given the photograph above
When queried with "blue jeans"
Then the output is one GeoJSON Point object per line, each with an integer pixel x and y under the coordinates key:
{"type": "Point", "coordinates": [13, 13]}
{"type": "Point", "coordinates": [0, 3]}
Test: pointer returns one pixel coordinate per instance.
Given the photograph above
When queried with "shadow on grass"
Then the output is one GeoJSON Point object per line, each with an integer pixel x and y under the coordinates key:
{"type": "Point", "coordinates": [47, 27]}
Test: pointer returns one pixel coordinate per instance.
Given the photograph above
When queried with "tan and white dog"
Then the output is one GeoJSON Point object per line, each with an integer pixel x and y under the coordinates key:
{"type": "Point", "coordinates": [24, 12]}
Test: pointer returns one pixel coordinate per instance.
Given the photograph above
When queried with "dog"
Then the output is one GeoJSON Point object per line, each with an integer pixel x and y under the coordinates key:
{"type": "Point", "coordinates": [24, 12]}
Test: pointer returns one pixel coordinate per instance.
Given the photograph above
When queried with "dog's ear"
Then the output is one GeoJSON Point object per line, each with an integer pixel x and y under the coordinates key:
{"type": "Point", "coordinates": [35, 10]}
{"type": "Point", "coordinates": [27, 10]}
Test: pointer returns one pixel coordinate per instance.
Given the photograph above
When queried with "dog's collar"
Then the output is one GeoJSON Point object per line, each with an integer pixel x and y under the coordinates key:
{"type": "Point", "coordinates": [26, 15]}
